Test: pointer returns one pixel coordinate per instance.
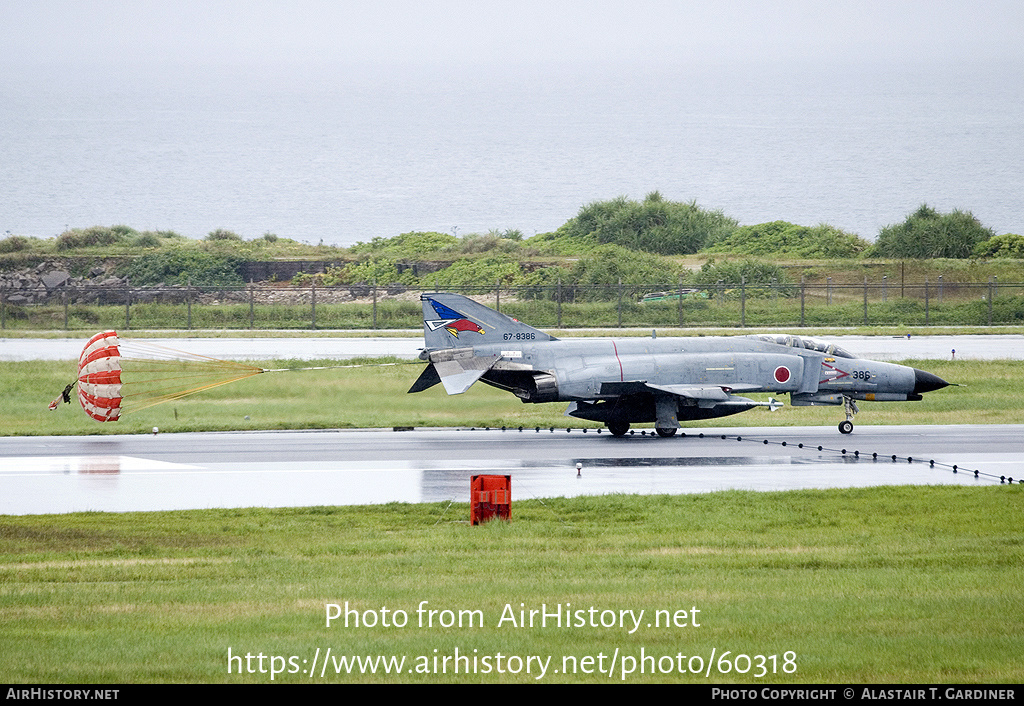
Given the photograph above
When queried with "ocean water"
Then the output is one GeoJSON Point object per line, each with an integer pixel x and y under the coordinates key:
{"type": "Point", "coordinates": [345, 154]}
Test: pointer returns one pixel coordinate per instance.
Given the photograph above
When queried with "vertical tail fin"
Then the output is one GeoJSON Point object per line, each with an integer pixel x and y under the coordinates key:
{"type": "Point", "coordinates": [455, 321]}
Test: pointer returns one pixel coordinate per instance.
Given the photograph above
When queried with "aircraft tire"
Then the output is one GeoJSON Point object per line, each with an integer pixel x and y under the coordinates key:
{"type": "Point", "coordinates": [845, 426]}
{"type": "Point", "coordinates": [618, 428]}
{"type": "Point", "coordinates": [666, 433]}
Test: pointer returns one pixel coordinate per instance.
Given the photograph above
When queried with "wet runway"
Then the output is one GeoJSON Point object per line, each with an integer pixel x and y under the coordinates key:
{"type": "Point", "coordinates": [279, 469]}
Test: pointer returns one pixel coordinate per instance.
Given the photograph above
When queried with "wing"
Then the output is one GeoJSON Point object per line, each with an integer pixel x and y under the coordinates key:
{"type": "Point", "coordinates": [705, 395]}
{"type": "Point", "coordinates": [666, 404]}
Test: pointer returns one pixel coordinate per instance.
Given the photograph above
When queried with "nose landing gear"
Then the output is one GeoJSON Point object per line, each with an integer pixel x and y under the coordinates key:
{"type": "Point", "coordinates": [850, 407]}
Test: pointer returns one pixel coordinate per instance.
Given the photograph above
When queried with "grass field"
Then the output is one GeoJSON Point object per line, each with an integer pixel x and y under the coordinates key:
{"type": "Point", "coordinates": [912, 585]}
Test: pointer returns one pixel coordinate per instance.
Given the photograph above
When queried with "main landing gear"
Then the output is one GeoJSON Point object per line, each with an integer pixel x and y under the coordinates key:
{"type": "Point", "coordinates": [618, 428]}
{"type": "Point", "coordinates": [850, 407]}
{"type": "Point", "coordinates": [621, 428]}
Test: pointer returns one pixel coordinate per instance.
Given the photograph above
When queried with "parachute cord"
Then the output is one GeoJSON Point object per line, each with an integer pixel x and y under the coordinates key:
{"type": "Point", "coordinates": [245, 372]}
{"type": "Point", "coordinates": [334, 367]}
{"type": "Point", "coordinates": [177, 395]}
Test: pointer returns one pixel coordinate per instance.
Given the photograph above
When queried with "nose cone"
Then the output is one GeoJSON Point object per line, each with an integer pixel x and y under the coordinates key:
{"type": "Point", "coordinates": [926, 382]}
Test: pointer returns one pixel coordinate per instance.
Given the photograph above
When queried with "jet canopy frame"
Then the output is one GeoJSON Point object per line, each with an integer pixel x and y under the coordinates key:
{"type": "Point", "coordinates": [804, 342]}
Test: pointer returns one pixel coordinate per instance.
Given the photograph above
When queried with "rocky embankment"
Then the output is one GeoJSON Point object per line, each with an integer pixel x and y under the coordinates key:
{"type": "Point", "coordinates": [50, 283]}
{"type": "Point", "coordinates": [49, 280]}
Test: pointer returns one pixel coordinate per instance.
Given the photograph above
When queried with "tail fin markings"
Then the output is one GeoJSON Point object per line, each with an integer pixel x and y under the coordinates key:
{"type": "Point", "coordinates": [446, 317]}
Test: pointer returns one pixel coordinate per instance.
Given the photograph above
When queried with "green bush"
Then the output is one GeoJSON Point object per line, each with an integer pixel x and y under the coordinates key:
{"type": "Point", "coordinates": [783, 238]}
{"type": "Point", "coordinates": [596, 277]}
{"type": "Point", "coordinates": [1008, 245]}
{"type": "Point", "coordinates": [95, 236]}
{"type": "Point", "coordinates": [926, 233]}
{"type": "Point", "coordinates": [484, 272]}
{"type": "Point", "coordinates": [543, 283]}
{"type": "Point", "coordinates": [755, 273]}
{"type": "Point", "coordinates": [376, 270]}
{"type": "Point", "coordinates": [411, 245]}
{"type": "Point", "coordinates": [221, 234]}
{"type": "Point", "coordinates": [180, 267]}
{"type": "Point", "coordinates": [493, 242]}
{"type": "Point", "coordinates": [15, 243]}
{"type": "Point", "coordinates": [146, 240]}
{"type": "Point", "coordinates": [654, 225]}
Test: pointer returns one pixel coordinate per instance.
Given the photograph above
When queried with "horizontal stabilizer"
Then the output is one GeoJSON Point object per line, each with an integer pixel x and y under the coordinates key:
{"type": "Point", "coordinates": [427, 379]}
{"type": "Point", "coordinates": [458, 374]}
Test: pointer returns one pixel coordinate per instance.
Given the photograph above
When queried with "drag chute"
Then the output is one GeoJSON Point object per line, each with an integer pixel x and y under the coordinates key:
{"type": "Point", "coordinates": [115, 375]}
{"type": "Point", "coordinates": [99, 377]}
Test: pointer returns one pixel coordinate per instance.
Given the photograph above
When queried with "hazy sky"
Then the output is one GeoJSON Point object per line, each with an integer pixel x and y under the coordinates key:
{"type": "Point", "coordinates": [457, 31]}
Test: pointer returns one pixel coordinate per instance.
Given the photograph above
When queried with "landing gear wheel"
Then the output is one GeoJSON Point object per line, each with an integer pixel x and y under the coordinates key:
{"type": "Point", "coordinates": [851, 409]}
{"type": "Point", "coordinates": [618, 428]}
{"type": "Point", "coordinates": [666, 433]}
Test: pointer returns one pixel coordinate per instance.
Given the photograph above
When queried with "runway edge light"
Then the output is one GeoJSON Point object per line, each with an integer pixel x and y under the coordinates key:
{"type": "Point", "coordinates": [489, 497]}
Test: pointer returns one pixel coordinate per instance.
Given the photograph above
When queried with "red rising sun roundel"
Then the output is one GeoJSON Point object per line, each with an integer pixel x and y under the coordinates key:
{"type": "Point", "coordinates": [782, 374]}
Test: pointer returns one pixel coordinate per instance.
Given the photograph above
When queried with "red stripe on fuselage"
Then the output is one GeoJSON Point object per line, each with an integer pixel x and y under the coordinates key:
{"type": "Point", "coordinates": [622, 376]}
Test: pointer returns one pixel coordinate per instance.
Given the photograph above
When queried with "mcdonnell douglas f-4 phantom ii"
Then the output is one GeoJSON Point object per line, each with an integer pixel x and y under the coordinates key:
{"type": "Point", "coordinates": [635, 380]}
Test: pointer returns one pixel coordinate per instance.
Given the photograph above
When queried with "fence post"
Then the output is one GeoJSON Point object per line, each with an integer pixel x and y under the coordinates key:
{"type": "Point", "coordinates": [885, 288]}
{"type": "Point", "coordinates": [558, 299]}
{"type": "Point", "coordinates": [497, 295]}
{"type": "Point", "coordinates": [188, 301]}
{"type": "Point", "coordinates": [991, 292]}
{"type": "Point", "coordinates": [679, 304]}
{"type": "Point", "coordinates": [250, 304]}
{"type": "Point", "coordinates": [865, 300]}
{"type": "Point", "coordinates": [940, 289]}
{"type": "Point", "coordinates": [620, 302]}
{"type": "Point", "coordinates": [803, 290]}
{"type": "Point", "coordinates": [3, 310]}
{"type": "Point", "coordinates": [828, 291]}
{"type": "Point", "coordinates": [743, 302]}
{"type": "Point", "coordinates": [64, 294]}
{"type": "Point", "coordinates": [312, 299]}
{"type": "Point", "coordinates": [925, 301]}
{"type": "Point", "coordinates": [127, 304]}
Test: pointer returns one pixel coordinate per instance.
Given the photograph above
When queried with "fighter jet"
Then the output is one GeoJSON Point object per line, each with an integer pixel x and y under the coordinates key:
{"type": "Point", "coordinates": [625, 381]}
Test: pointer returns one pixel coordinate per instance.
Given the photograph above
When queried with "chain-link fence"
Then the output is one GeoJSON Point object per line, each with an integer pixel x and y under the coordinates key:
{"type": "Point", "coordinates": [366, 306]}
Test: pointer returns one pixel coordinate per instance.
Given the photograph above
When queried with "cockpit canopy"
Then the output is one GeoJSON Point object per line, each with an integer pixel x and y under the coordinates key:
{"type": "Point", "coordinates": [804, 342]}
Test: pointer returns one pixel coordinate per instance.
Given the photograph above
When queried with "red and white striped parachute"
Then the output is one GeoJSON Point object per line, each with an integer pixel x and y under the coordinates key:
{"type": "Point", "coordinates": [99, 377]}
{"type": "Point", "coordinates": [115, 376]}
